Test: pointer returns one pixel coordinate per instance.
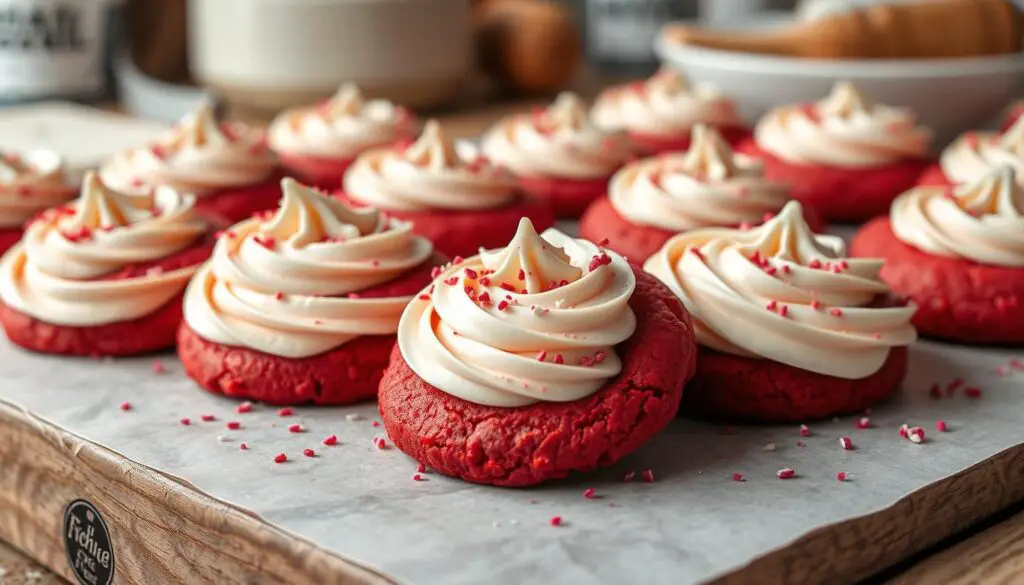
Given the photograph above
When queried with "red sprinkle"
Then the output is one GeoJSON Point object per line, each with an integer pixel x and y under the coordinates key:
{"type": "Point", "coordinates": [738, 477]}
{"type": "Point", "coordinates": [296, 428]}
{"type": "Point", "coordinates": [559, 359]}
{"type": "Point", "coordinates": [435, 272]}
{"type": "Point", "coordinates": [815, 264]}
{"type": "Point", "coordinates": [331, 441]}
{"type": "Point", "coordinates": [805, 431]}
{"type": "Point", "coordinates": [785, 473]}
{"type": "Point", "coordinates": [836, 312]}
{"type": "Point", "coordinates": [421, 468]}
{"type": "Point", "coordinates": [541, 356]}
{"type": "Point", "coordinates": [647, 475]}
{"type": "Point", "coordinates": [555, 521]}
{"type": "Point", "coordinates": [424, 297]}
{"type": "Point", "coordinates": [904, 430]}
{"type": "Point", "coordinates": [185, 421]}
{"type": "Point", "coordinates": [522, 274]}
{"type": "Point", "coordinates": [502, 305]}
{"type": "Point", "coordinates": [815, 304]}
{"type": "Point", "coordinates": [973, 392]}
{"type": "Point", "coordinates": [863, 423]}
{"type": "Point", "coordinates": [954, 386]}
{"type": "Point", "coordinates": [470, 273]}
{"type": "Point", "coordinates": [915, 434]}
{"type": "Point", "coordinates": [126, 406]}
{"type": "Point", "coordinates": [207, 418]}
{"type": "Point", "coordinates": [375, 424]}
{"type": "Point", "coordinates": [940, 425]}
{"type": "Point", "coordinates": [309, 452]}
{"type": "Point", "coordinates": [772, 306]}
{"type": "Point", "coordinates": [599, 357]}
{"type": "Point", "coordinates": [603, 242]}
{"type": "Point", "coordinates": [841, 476]}
{"type": "Point", "coordinates": [234, 425]}
{"type": "Point", "coordinates": [285, 412]}
{"type": "Point", "coordinates": [280, 458]}
{"type": "Point", "coordinates": [417, 477]}
{"type": "Point", "coordinates": [457, 260]}
{"type": "Point", "coordinates": [244, 408]}
{"type": "Point", "coordinates": [589, 493]}
{"type": "Point", "coordinates": [846, 443]}
{"type": "Point", "coordinates": [380, 443]}
{"type": "Point", "coordinates": [783, 311]}
{"type": "Point", "coordinates": [279, 296]}
{"type": "Point", "coordinates": [244, 447]}
{"type": "Point", "coordinates": [935, 391]}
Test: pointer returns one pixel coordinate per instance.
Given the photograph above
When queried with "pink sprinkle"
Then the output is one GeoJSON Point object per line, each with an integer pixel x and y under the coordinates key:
{"type": "Point", "coordinates": [185, 421]}
{"type": "Point", "coordinates": [599, 357]}
{"type": "Point", "coordinates": [126, 406]}
{"type": "Point", "coordinates": [772, 306]}
{"type": "Point", "coordinates": [207, 418]}
{"type": "Point", "coordinates": [296, 428]}
{"type": "Point", "coordinates": [815, 264]}
{"type": "Point", "coordinates": [555, 521]}
{"type": "Point", "coordinates": [244, 447]}
{"type": "Point", "coordinates": [158, 367]}
{"type": "Point", "coordinates": [815, 304]}
{"type": "Point", "coordinates": [375, 424]}
{"type": "Point", "coordinates": [841, 476]}
{"type": "Point", "coordinates": [940, 425]}
{"type": "Point", "coordinates": [863, 423]}
{"type": "Point", "coordinates": [745, 225]}
{"type": "Point", "coordinates": [244, 408]}
{"type": "Point", "coordinates": [904, 430]}
{"type": "Point", "coordinates": [785, 473]}
{"type": "Point", "coordinates": [541, 355]}
{"type": "Point", "coordinates": [647, 476]}
{"type": "Point", "coordinates": [783, 311]}
{"type": "Point", "coordinates": [234, 425]}
{"type": "Point", "coordinates": [846, 443]}
{"type": "Point", "coordinates": [417, 477]}
{"type": "Point", "coordinates": [738, 477]}
{"type": "Point", "coordinates": [435, 272]}
{"type": "Point", "coordinates": [973, 392]}
{"type": "Point", "coordinates": [470, 273]}
{"type": "Point", "coordinates": [457, 260]}
{"type": "Point", "coordinates": [421, 468]}
{"type": "Point", "coordinates": [285, 412]}
{"type": "Point", "coordinates": [589, 493]}
{"type": "Point", "coordinates": [280, 458]}
{"type": "Point", "coordinates": [380, 443]}
{"type": "Point", "coordinates": [309, 452]}
{"type": "Point", "coordinates": [836, 312]}
{"type": "Point", "coordinates": [805, 431]}
{"type": "Point", "coordinates": [331, 441]}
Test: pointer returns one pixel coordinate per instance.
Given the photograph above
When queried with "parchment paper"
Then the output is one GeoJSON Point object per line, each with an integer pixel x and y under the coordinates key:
{"type": "Point", "coordinates": [692, 523]}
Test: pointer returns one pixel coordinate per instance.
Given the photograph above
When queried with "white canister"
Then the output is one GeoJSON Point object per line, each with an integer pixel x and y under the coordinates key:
{"type": "Point", "coordinates": [270, 54]}
{"type": "Point", "coordinates": [55, 48]}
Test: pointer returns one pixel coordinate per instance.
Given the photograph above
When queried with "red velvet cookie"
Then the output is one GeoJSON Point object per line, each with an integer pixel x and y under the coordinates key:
{"type": "Point", "coordinates": [735, 388]}
{"type": "Point", "coordinates": [568, 198]}
{"type": "Point", "coordinates": [638, 242]}
{"type": "Point", "coordinates": [346, 374]}
{"type": "Point", "coordinates": [322, 173]}
{"type": "Point", "coordinates": [232, 205]}
{"type": "Point", "coordinates": [649, 144]}
{"type": "Point", "coordinates": [463, 233]}
{"type": "Point", "coordinates": [841, 194]}
{"type": "Point", "coordinates": [151, 333]}
{"type": "Point", "coordinates": [957, 299]}
{"type": "Point", "coordinates": [527, 445]}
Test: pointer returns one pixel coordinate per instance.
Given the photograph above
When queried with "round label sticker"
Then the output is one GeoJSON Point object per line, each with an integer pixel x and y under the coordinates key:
{"type": "Point", "coordinates": [87, 542]}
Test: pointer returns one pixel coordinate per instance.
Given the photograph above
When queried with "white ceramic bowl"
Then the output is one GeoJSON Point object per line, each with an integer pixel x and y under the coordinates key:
{"type": "Point", "coordinates": [949, 95]}
{"type": "Point", "coordinates": [271, 54]}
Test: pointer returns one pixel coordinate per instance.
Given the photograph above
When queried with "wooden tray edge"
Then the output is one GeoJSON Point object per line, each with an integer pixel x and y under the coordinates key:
{"type": "Point", "coordinates": [45, 467]}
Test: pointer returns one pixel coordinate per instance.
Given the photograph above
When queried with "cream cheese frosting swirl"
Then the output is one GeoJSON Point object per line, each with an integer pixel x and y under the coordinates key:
{"type": "Point", "coordinates": [430, 174]}
{"type": "Point", "coordinates": [342, 127]}
{"type": "Point", "coordinates": [288, 285]}
{"type": "Point", "coordinates": [981, 221]}
{"type": "Point", "coordinates": [535, 321]}
{"type": "Point", "coordinates": [198, 155]}
{"type": "Point", "coordinates": [843, 130]}
{"type": "Point", "coordinates": [780, 292]}
{"type": "Point", "coordinates": [709, 185]}
{"type": "Point", "coordinates": [55, 273]}
{"type": "Point", "coordinates": [29, 183]}
{"type": "Point", "coordinates": [560, 141]}
{"type": "Point", "coordinates": [663, 105]}
{"type": "Point", "coordinates": [975, 154]}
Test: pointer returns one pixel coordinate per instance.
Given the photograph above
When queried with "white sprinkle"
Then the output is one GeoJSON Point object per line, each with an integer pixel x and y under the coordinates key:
{"type": "Point", "coordinates": [223, 438]}
{"type": "Point", "coordinates": [513, 522]}
{"type": "Point", "coordinates": [33, 575]}
{"type": "Point", "coordinates": [769, 447]}
{"type": "Point", "coordinates": [916, 438]}
{"type": "Point", "coordinates": [496, 524]}
{"type": "Point", "coordinates": [353, 416]}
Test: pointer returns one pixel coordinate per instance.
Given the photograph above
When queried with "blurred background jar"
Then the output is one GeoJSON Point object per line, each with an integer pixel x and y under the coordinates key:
{"type": "Point", "coordinates": [58, 49]}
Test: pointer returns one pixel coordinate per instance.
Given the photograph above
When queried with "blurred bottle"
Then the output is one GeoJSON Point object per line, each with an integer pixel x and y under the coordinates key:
{"type": "Point", "coordinates": [58, 49]}
{"type": "Point", "coordinates": [620, 34]}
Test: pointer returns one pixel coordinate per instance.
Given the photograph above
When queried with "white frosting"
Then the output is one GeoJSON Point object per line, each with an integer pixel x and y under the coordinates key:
{"type": "Point", "coordinates": [981, 221]}
{"type": "Point", "coordinates": [976, 154]}
{"type": "Point", "coordinates": [29, 183]}
{"type": "Point", "coordinates": [780, 292]}
{"type": "Point", "coordinates": [663, 105]}
{"type": "Point", "coordinates": [709, 185]}
{"type": "Point", "coordinates": [560, 141]}
{"type": "Point", "coordinates": [844, 130]}
{"type": "Point", "coordinates": [55, 273]}
{"type": "Point", "coordinates": [288, 285]}
{"type": "Point", "coordinates": [199, 155]}
{"type": "Point", "coordinates": [430, 174]}
{"type": "Point", "coordinates": [340, 128]}
{"type": "Point", "coordinates": [535, 321]}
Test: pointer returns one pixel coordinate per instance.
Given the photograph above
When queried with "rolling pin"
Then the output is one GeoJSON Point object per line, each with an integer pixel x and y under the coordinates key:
{"type": "Point", "coordinates": [932, 29]}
